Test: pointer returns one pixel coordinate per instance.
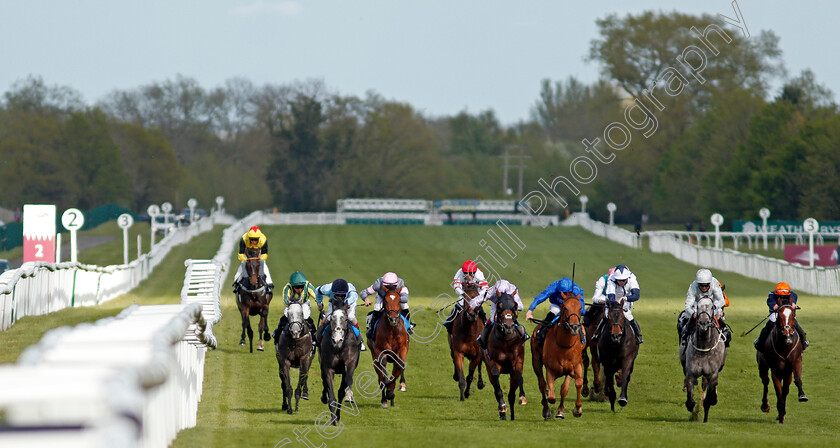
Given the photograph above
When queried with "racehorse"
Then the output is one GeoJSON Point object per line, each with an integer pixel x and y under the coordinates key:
{"type": "Point", "coordinates": [466, 327]}
{"type": "Point", "coordinates": [781, 354]}
{"type": "Point", "coordinates": [294, 350]}
{"type": "Point", "coordinates": [253, 300]}
{"type": "Point", "coordinates": [561, 354]}
{"type": "Point", "coordinates": [505, 354]}
{"type": "Point", "coordinates": [389, 344]}
{"type": "Point", "coordinates": [617, 350]}
{"type": "Point", "coordinates": [339, 355]}
{"type": "Point", "coordinates": [597, 313]}
{"type": "Point", "coordinates": [703, 356]}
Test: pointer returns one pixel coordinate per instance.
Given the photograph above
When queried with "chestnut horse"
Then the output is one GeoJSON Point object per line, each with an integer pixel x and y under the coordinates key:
{"type": "Point", "coordinates": [463, 344]}
{"type": "Point", "coordinates": [591, 357]}
{"type": "Point", "coordinates": [253, 300]}
{"type": "Point", "coordinates": [505, 354]}
{"type": "Point", "coordinates": [617, 350]}
{"type": "Point", "coordinates": [781, 354]}
{"type": "Point", "coordinates": [389, 344]}
{"type": "Point", "coordinates": [562, 355]}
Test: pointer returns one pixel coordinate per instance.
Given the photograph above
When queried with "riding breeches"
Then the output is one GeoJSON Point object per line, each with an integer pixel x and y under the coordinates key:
{"type": "Point", "coordinates": [241, 272]}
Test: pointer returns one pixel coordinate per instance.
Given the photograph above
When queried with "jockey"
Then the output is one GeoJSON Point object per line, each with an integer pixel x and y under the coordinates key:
{"type": "Point", "coordinates": [557, 293]}
{"type": "Point", "coordinates": [782, 295]}
{"type": "Point", "coordinates": [704, 285]}
{"type": "Point", "coordinates": [493, 294]}
{"type": "Point", "coordinates": [339, 289]}
{"type": "Point", "coordinates": [253, 239]}
{"type": "Point", "coordinates": [388, 282]}
{"type": "Point", "coordinates": [622, 287]}
{"type": "Point", "coordinates": [468, 276]}
{"type": "Point", "coordinates": [298, 290]}
{"type": "Point", "coordinates": [599, 298]}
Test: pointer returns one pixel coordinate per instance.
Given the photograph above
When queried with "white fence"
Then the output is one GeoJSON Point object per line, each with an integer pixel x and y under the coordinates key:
{"type": "Point", "coordinates": [818, 280]}
{"type": "Point", "coordinates": [40, 288]}
{"type": "Point", "coordinates": [128, 381]}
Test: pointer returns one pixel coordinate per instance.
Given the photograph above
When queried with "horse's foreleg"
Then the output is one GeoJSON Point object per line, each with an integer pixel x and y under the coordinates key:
{"type": "Point", "coordinates": [564, 389]}
{"type": "Point", "coordinates": [597, 385]}
{"type": "Point", "coordinates": [549, 386]}
{"type": "Point", "coordinates": [585, 358]}
{"type": "Point", "coordinates": [797, 379]}
{"type": "Point", "coordinates": [480, 383]}
{"type": "Point", "coordinates": [711, 395]}
{"type": "Point", "coordinates": [626, 371]}
{"type": "Point", "coordinates": [578, 385]}
{"type": "Point", "coordinates": [514, 382]}
{"type": "Point", "coordinates": [782, 388]}
{"type": "Point", "coordinates": [245, 313]}
{"type": "Point", "coordinates": [493, 374]}
{"type": "Point", "coordinates": [474, 363]}
{"type": "Point", "coordinates": [287, 385]}
{"type": "Point", "coordinates": [688, 385]}
{"type": "Point", "coordinates": [458, 360]}
{"type": "Point", "coordinates": [282, 374]}
{"type": "Point", "coordinates": [536, 363]}
{"type": "Point", "coordinates": [609, 386]}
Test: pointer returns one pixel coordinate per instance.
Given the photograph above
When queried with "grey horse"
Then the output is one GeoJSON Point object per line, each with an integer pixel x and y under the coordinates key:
{"type": "Point", "coordinates": [339, 354]}
{"type": "Point", "coordinates": [703, 356]}
{"type": "Point", "coordinates": [294, 350]}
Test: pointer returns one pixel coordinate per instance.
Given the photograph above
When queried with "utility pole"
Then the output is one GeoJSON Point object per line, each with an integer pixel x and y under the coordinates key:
{"type": "Point", "coordinates": [521, 165]}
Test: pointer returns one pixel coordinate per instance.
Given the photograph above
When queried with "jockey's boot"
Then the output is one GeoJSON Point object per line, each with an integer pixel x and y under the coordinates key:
{"type": "Point", "coordinates": [594, 337]}
{"type": "Point", "coordinates": [727, 333]}
{"type": "Point", "coordinates": [759, 342]}
{"type": "Point", "coordinates": [452, 314]}
{"type": "Point", "coordinates": [482, 338]}
{"type": "Point", "coordinates": [236, 287]}
{"type": "Point", "coordinates": [269, 288]}
{"type": "Point", "coordinates": [544, 327]}
{"type": "Point", "coordinates": [411, 325]}
{"type": "Point", "coordinates": [638, 331]}
{"type": "Point", "coordinates": [281, 326]}
{"type": "Point", "coordinates": [312, 331]}
{"type": "Point", "coordinates": [802, 335]}
{"type": "Point", "coordinates": [481, 314]}
{"type": "Point", "coordinates": [523, 333]}
{"type": "Point", "coordinates": [372, 317]}
{"type": "Point", "coordinates": [320, 331]}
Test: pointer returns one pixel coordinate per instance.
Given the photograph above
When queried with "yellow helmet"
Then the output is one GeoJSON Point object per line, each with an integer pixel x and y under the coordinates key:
{"type": "Point", "coordinates": [254, 232]}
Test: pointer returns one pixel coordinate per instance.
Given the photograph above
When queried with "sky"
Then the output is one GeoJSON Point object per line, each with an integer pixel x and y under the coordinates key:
{"type": "Point", "coordinates": [442, 57]}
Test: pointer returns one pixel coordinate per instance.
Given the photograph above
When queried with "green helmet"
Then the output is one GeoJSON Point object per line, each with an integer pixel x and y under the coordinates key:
{"type": "Point", "coordinates": [297, 279]}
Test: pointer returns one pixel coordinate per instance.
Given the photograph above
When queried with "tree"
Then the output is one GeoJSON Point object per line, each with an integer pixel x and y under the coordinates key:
{"type": "Point", "coordinates": [149, 164]}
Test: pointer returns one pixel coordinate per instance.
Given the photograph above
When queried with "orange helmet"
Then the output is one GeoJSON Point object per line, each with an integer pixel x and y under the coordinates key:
{"type": "Point", "coordinates": [782, 289]}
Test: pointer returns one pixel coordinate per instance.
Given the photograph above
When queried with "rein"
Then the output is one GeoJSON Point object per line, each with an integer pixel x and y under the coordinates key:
{"type": "Point", "coordinates": [773, 338]}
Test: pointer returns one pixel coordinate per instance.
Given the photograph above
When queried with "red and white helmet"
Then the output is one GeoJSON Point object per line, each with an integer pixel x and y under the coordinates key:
{"type": "Point", "coordinates": [469, 267]}
{"type": "Point", "coordinates": [390, 279]}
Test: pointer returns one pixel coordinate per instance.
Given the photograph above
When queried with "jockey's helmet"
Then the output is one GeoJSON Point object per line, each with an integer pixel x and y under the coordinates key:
{"type": "Point", "coordinates": [704, 277]}
{"type": "Point", "coordinates": [622, 272]}
{"type": "Point", "coordinates": [782, 289]}
{"type": "Point", "coordinates": [469, 267]}
{"type": "Point", "coordinates": [297, 279]}
{"type": "Point", "coordinates": [391, 280]}
{"type": "Point", "coordinates": [340, 287]}
{"type": "Point", "coordinates": [566, 284]}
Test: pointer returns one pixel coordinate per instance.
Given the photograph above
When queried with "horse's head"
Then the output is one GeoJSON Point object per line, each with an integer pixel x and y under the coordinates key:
{"type": "Point", "coordinates": [615, 317]}
{"type": "Point", "coordinates": [705, 316]}
{"type": "Point", "coordinates": [470, 313]}
{"type": "Point", "coordinates": [570, 314]}
{"type": "Point", "coordinates": [391, 307]}
{"type": "Point", "coordinates": [297, 328]}
{"type": "Point", "coordinates": [338, 327]}
{"type": "Point", "coordinates": [252, 265]}
{"type": "Point", "coordinates": [786, 321]}
{"type": "Point", "coordinates": [506, 315]}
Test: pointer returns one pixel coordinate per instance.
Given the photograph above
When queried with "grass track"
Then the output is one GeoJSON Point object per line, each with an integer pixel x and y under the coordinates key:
{"type": "Point", "coordinates": [241, 401]}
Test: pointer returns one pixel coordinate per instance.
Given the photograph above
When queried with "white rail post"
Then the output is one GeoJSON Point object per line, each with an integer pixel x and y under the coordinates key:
{"type": "Point", "coordinates": [583, 200]}
{"type": "Point", "coordinates": [611, 208]}
{"type": "Point", "coordinates": [811, 226]}
{"type": "Point", "coordinates": [125, 221]}
{"type": "Point", "coordinates": [717, 220]}
{"type": "Point", "coordinates": [72, 219]}
{"type": "Point", "coordinates": [764, 213]}
{"type": "Point", "coordinates": [152, 211]}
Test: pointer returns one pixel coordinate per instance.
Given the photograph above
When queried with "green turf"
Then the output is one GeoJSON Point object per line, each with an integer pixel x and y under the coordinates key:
{"type": "Point", "coordinates": [163, 286]}
{"type": "Point", "coordinates": [241, 401]}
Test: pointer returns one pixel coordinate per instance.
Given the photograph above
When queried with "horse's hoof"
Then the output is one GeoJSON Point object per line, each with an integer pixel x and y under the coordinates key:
{"type": "Point", "coordinates": [402, 387]}
{"type": "Point", "coordinates": [577, 412]}
{"type": "Point", "coordinates": [242, 342]}
{"type": "Point", "coordinates": [266, 337]}
{"type": "Point", "coordinates": [290, 412]}
{"type": "Point", "coordinates": [466, 394]}
{"type": "Point", "coordinates": [522, 401]}
{"type": "Point", "coordinates": [765, 408]}
{"type": "Point", "coordinates": [285, 406]}
{"type": "Point", "coordinates": [480, 385]}
{"type": "Point", "coordinates": [584, 392]}
{"type": "Point", "coordinates": [324, 399]}
{"type": "Point", "coordinates": [502, 416]}
{"type": "Point", "coordinates": [803, 398]}
{"type": "Point", "coordinates": [561, 413]}
{"type": "Point", "coordinates": [304, 396]}
{"type": "Point", "coordinates": [384, 405]}
{"type": "Point", "coordinates": [551, 400]}
{"type": "Point", "coordinates": [689, 405]}
{"type": "Point", "coordinates": [622, 402]}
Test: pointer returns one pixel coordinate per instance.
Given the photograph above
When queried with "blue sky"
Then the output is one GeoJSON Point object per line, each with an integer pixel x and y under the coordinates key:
{"type": "Point", "coordinates": [440, 56]}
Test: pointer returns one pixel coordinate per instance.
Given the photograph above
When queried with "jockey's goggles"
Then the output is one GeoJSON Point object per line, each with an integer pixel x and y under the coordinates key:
{"type": "Point", "coordinates": [390, 287]}
{"type": "Point", "coordinates": [340, 296]}
{"type": "Point", "coordinates": [704, 285]}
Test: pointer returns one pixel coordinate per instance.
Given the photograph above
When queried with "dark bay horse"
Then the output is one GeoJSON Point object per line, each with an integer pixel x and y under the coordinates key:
{"type": "Point", "coordinates": [561, 355]}
{"type": "Point", "coordinates": [252, 299]}
{"type": "Point", "coordinates": [591, 356]}
{"type": "Point", "coordinates": [505, 354]}
{"type": "Point", "coordinates": [389, 344]}
{"type": "Point", "coordinates": [339, 355]}
{"type": "Point", "coordinates": [781, 354]}
{"type": "Point", "coordinates": [617, 350]}
{"type": "Point", "coordinates": [703, 356]}
{"type": "Point", "coordinates": [294, 350]}
{"type": "Point", "coordinates": [462, 344]}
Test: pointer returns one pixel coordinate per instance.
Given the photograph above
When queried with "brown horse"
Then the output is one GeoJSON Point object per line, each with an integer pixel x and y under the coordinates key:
{"type": "Point", "coordinates": [389, 344]}
{"type": "Point", "coordinates": [781, 355]}
{"type": "Point", "coordinates": [253, 300]}
{"type": "Point", "coordinates": [617, 350]}
{"type": "Point", "coordinates": [462, 344]}
{"type": "Point", "coordinates": [561, 354]}
{"type": "Point", "coordinates": [597, 313]}
{"type": "Point", "coordinates": [505, 354]}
